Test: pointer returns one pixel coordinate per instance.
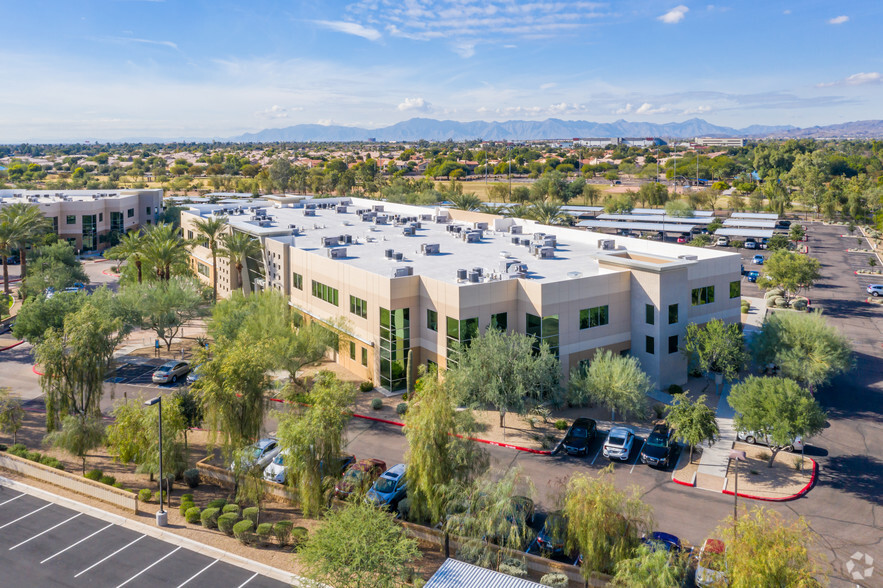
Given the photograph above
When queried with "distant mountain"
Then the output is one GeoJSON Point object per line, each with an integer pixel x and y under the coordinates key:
{"type": "Point", "coordinates": [429, 129]}
{"type": "Point", "coordinates": [861, 129]}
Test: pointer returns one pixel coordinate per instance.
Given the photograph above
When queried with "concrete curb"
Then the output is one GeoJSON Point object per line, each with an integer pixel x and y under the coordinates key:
{"type": "Point", "coordinates": [692, 483]}
{"type": "Point", "coordinates": [801, 492]}
{"type": "Point", "coordinates": [156, 533]}
{"type": "Point", "coordinates": [11, 346]}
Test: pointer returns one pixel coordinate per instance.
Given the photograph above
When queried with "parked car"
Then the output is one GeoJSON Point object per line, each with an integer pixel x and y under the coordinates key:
{"type": "Point", "coordinates": [752, 437]}
{"type": "Point", "coordinates": [194, 374]}
{"type": "Point", "coordinates": [579, 435]}
{"type": "Point", "coordinates": [711, 568]}
{"type": "Point", "coordinates": [662, 541]}
{"type": "Point", "coordinates": [875, 289]}
{"type": "Point", "coordinates": [722, 242]}
{"type": "Point", "coordinates": [658, 449]}
{"type": "Point", "coordinates": [522, 509]}
{"type": "Point", "coordinates": [752, 275]}
{"type": "Point", "coordinates": [553, 535]}
{"type": "Point", "coordinates": [750, 244]}
{"type": "Point", "coordinates": [359, 477]}
{"type": "Point", "coordinates": [12, 260]}
{"type": "Point", "coordinates": [170, 371]}
{"type": "Point", "coordinates": [757, 259]}
{"type": "Point", "coordinates": [390, 487]}
{"type": "Point", "coordinates": [619, 443]}
{"type": "Point", "coordinates": [783, 224]}
{"type": "Point", "coordinates": [682, 239]}
{"type": "Point", "coordinates": [6, 327]}
{"type": "Point", "coordinates": [276, 470]}
{"type": "Point", "coordinates": [258, 455]}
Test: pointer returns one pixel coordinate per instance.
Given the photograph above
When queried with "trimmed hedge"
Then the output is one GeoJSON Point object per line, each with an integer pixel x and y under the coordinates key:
{"type": "Point", "coordinates": [144, 495]}
{"type": "Point", "coordinates": [109, 480]}
{"type": "Point", "coordinates": [514, 567]}
{"type": "Point", "coordinates": [299, 535]}
{"type": "Point", "coordinates": [244, 531]}
{"type": "Point", "coordinates": [185, 497]}
{"type": "Point", "coordinates": [94, 475]}
{"type": "Point", "coordinates": [251, 513]}
{"type": "Point", "coordinates": [185, 506]}
{"type": "Point", "coordinates": [264, 531]}
{"type": "Point", "coordinates": [555, 580]}
{"type": "Point", "coordinates": [209, 518]}
{"type": "Point", "coordinates": [226, 522]}
{"type": "Point", "coordinates": [282, 532]}
{"type": "Point", "coordinates": [193, 515]}
{"type": "Point", "coordinates": [191, 477]}
{"type": "Point", "coordinates": [216, 503]}
{"type": "Point", "coordinates": [376, 404]}
{"type": "Point", "coordinates": [401, 408]}
{"type": "Point", "coordinates": [231, 508]}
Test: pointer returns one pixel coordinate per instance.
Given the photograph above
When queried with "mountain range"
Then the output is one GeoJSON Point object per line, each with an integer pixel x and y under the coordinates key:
{"type": "Point", "coordinates": [429, 129]}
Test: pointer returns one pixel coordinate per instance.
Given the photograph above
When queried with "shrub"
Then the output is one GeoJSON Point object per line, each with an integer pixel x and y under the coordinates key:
{"type": "Point", "coordinates": [186, 497]}
{"type": "Point", "coordinates": [299, 535]}
{"type": "Point", "coordinates": [401, 408]}
{"type": "Point", "coordinates": [185, 506]}
{"type": "Point", "coordinates": [404, 396]}
{"type": "Point", "coordinates": [263, 532]}
{"type": "Point", "coordinates": [514, 567]}
{"type": "Point", "coordinates": [561, 424]}
{"type": "Point", "coordinates": [779, 301]}
{"type": "Point", "coordinates": [799, 304]}
{"type": "Point", "coordinates": [764, 456]}
{"type": "Point", "coordinates": [2, 447]}
{"type": "Point", "coordinates": [209, 518]}
{"type": "Point", "coordinates": [34, 456]}
{"type": "Point", "coordinates": [231, 508]}
{"type": "Point", "coordinates": [17, 448]}
{"type": "Point", "coordinates": [366, 386]}
{"type": "Point", "coordinates": [52, 462]}
{"type": "Point", "coordinates": [737, 244]}
{"type": "Point", "coordinates": [798, 463]}
{"type": "Point", "coordinates": [251, 513]}
{"type": "Point", "coordinates": [745, 306]}
{"type": "Point", "coordinates": [404, 508]}
{"type": "Point", "coordinates": [244, 531]}
{"type": "Point", "coordinates": [377, 404]}
{"type": "Point", "coordinates": [118, 485]}
{"type": "Point", "coordinates": [282, 532]}
{"type": "Point", "coordinates": [94, 475]}
{"type": "Point", "coordinates": [144, 495]}
{"type": "Point", "coordinates": [216, 503]}
{"type": "Point", "coordinates": [193, 515]}
{"type": "Point", "coordinates": [555, 580]}
{"type": "Point", "coordinates": [109, 480]}
{"type": "Point", "coordinates": [191, 477]}
{"type": "Point", "coordinates": [226, 522]}
{"type": "Point", "coordinates": [674, 389]}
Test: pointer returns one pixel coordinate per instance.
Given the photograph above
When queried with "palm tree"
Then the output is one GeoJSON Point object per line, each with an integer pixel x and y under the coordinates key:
{"type": "Point", "coordinates": [131, 248]}
{"type": "Point", "coordinates": [465, 201]}
{"type": "Point", "coordinates": [165, 248]}
{"type": "Point", "coordinates": [237, 247]}
{"type": "Point", "coordinates": [547, 212]}
{"type": "Point", "coordinates": [30, 224]}
{"type": "Point", "coordinates": [518, 211]}
{"type": "Point", "coordinates": [8, 238]}
{"type": "Point", "coordinates": [212, 229]}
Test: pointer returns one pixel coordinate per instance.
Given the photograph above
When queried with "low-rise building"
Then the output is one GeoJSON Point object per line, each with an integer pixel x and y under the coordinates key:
{"type": "Point", "coordinates": [721, 141]}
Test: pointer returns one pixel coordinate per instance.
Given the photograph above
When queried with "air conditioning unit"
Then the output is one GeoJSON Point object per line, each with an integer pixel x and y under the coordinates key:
{"type": "Point", "coordinates": [515, 229]}
{"type": "Point", "coordinates": [309, 212]}
{"type": "Point", "coordinates": [337, 253]}
{"type": "Point", "coordinates": [688, 257]}
{"type": "Point", "coordinates": [430, 248]}
{"type": "Point", "coordinates": [606, 244]}
{"type": "Point", "coordinates": [340, 209]}
{"type": "Point", "coordinates": [402, 271]}
{"type": "Point", "coordinates": [408, 231]}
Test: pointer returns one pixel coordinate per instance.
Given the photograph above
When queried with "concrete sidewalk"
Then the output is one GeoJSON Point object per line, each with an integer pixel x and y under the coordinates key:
{"type": "Point", "coordinates": [715, 458]}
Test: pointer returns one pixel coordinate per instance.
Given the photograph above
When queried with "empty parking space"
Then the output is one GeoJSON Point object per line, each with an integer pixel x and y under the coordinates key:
{"type": "Point", "coordinates": [43, 543]}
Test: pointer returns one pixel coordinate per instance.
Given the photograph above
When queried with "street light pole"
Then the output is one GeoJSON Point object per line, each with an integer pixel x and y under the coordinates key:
{"type": "Point", "coordinates": [162, 515]}
{"type": "Point", "coordinates": [736, 456]}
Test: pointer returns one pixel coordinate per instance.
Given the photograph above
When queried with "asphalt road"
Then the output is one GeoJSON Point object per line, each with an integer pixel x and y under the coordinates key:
{"type": "Point", "coordinates": [45, 544]}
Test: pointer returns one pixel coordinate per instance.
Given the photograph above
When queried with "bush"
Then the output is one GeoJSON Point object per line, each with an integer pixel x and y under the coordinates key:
{"type": "Point", "coordinates": [251, 513]}
{"type": "Point", "coordinates": [193, 515]}
{"type": "Point", "coordinates": [118, 485]}
{"type": "Point", "coordinates": [401, 408]}
{"type": "Point", "coordinates": [231, 508]}
{"type": "Point", "coordinates": [51, 462]}
{"type": "Point", "coordinates": [514, 567]}
{"type": "Point", "coordinates": [674, 390]}
{"type": "Point", "coordinates": [209, 518]}
{"type": "Point", "coordinates": [299, 535]}
{"type": "Point", "coordinates": [191, 477]}
{"type": "Point", "coordinates": [561, 424]}
{"type": "Point", "coordinates": [377, 404]}
{"type": "Point", "coordinates": [282, 532]}
{"type": "Point", "coordinates": [109, 480]}
{"type": "Point", "coordinates": [186, 497]}
{"type": "Point", "coordinates": [144, 495]}
{"type": "Point", "coordinates": [745, 306]}
{"type": "Point", "coordinates": [404, 508]}
{"type": "Point", "coordinates": [773, 292]}
{"type": "Point", "coordinates": [94, 475]}
{"type": "Point", "coordinates": [799, 304]}
{"type": "Point", "coordinates": [226, 522]}
{"type": "Point", "coordinates": [185, 506]}
{"type": "Point", "coordinates": [216, 503]}
{"type": "Point", "coordinates": [779, 301]}
{"type": "Point", "coordinates": [366, 386]}
{"type": "Point", "coordinates": [244, 531]}
{"type": "Point", "coordinates": [555, 580]}
{"type": "Point", "coordinates": [17, 448]}
{"type": "Point", "coordinates": [263, 532]}
{"type": "Point", "coordinates": [2, 447]}
{"type": "Point", "coordinates": [34, 456]}
{"type": "Point", "coordinates": [736, 244]}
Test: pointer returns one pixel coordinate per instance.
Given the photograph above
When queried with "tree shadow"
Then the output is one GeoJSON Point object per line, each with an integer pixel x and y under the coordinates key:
{"type": "Point", "coordinates": [856, 474]}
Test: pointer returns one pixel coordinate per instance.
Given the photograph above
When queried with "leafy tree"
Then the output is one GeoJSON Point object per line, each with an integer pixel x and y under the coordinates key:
{"type": "Point", "coordinates": [211, 230]}
{"type": "Point", "coordinates": [778, 242]}
{"type": "Point", "coordinates": [134, 436]}
{"type": "Point", "coordinates": [654, 193]}
{"type": "Point", "coordinates": [693, 422]}
{"type": "Point", "coordinates": [590, 194]}
{"type": "Point", "coordinates": [777, 408]}
{"type": "Point", "coordinates": [717, 347]}
{"type": "Point", "coordinates": [313, 438]}
{"type": "Point", "coordinates": [766, 550]}
{"type": "Point", "coordinates": [614, 381]}
{"type": "Point", "coordinates": [38, 314]}
{"type": "Point", "coordinates": [619, 204]}
{"type": "Point", "coordinates": [29, 225]}
{"type": "Point", "coordinates": [797, 232]}
{"type": "Point", "coordinates": [531, 375]}
{"type": "Point", "coordinates": [359, 545]}
{"type": "Point", "coordinates": [789, 271]}
{"type": "Point", "coordinates": [54, 266]}
{"type": "Point", "coordinates": [804, 347]}
{"type": "Point", "coordinates": [164, 307]}
{"type": "Point", "coordinates": [678, 208]}
{"type": "Point", "coordinates": [12, 414]}
{"type": "Point", "coordinates": [650, 568]}
{"type": "Point", "coordinates": [439, 451]}
{"type": "Point", "coordinates": [700, 241]}
{"type": "Point", "coordinates": [237, 248]}
{"type": "Point", "coordinates": [605, 524]}
{"type": "Point", "coordinates": [79, 434]}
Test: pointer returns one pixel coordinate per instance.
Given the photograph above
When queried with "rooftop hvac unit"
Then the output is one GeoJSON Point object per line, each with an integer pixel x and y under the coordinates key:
{"type": "Point", "coordinates": [340, 209]}
{"type": "Point", "coordinates": [380, 220]}
{"type": "Point", "coordinates": [525, 242]}
{"type": "Point", "coordinates": [474, 277]}
{"type": "Point", "coordinates": [480, 226]}
{"type": "Point", "coordinates": [688, 257]}
{"type": "Point", "coordinates": [344, 239]}
{"type": "Point", "coordinates": [330, 241]}
{"type": "Point", "coordinates": [429, 248]}
{"type": "Point", "coordinates": [309, 212]}
{"type": "Point", "coordinates": [398, 256]}
{"type": "Point", "coordinates": [538, 236]}
{"type": "Point", "coordinates": [606, 244]}
{"type": "Point", "coordinates": [408, 231]}
{"type": "Point", "coordinates": [388, 253]}
{"type": "Point", "coordinates": [415, 225]}
{"type": "Point", "coordinates": [310, 206]}
{"type": "Point", "coordinates": [515, 230]}
{"type": "Point", "coordinates": [337, 253]}
{"type": "Point", "coordinates": [402, 271]}
{"type": "Point", "coordinates": [544, 252]}
{"type": "Point", "coordinates": [461, 274]}
{"type": "Point", "coordinates": [473, 237]}
{"type": "Point", "coordinates": [426, 217]}
{"type": "Point", "coordinates": [516, 241]}
{"type": "Point", "coordinates": [377, 208]}
{"type": "Point", "coordinates": [479, 270]}
{"type": "Point", "coordinates": [441, 219]}
{"type": "Point", "coordinates": [265, 222]}
{"type": "Point", "coordinates": [292, 227]}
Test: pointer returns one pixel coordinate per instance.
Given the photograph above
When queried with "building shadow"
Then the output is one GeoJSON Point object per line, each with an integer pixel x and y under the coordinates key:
{"type": "Point", "coordinates": [855, 474]}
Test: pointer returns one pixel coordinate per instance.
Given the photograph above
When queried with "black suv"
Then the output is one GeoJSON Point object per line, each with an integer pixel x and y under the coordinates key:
{"type": "Point", "coordinates": [658, 448]}
{"type": "Point", "coordinates": [578, 437]}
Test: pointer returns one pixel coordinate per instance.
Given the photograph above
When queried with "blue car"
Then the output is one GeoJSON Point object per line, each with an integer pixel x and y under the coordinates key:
{"type": "Point", "coordinates": [390, 487]}
{"type": "Point", "coordinates": [752, 276]}
{"type": "Point", "coordinates": [662, 541]}
{"type": "Point", "coordinates": [757, 260]}
{"type": "Point", "coordinates": [553, 535]}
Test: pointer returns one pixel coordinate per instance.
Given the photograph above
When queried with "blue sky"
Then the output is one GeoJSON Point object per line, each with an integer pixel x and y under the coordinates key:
{"type": "Point", "coordinates": [115, 69]}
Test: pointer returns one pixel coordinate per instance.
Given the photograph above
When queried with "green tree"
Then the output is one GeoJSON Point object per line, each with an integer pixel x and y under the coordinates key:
{"type": "Point", "coordinates": [313, 437]}
{"type": "Point", "coordinates": [30, 225]}
{"type": "Point", "coordinates": [614, 381]}
{"type": "Point", "coordinates": [8, 238]}
{"type": "Point", "coordinates": [591, 194]}
{"type": "Point", "coordinates": [797, 233]}
{"type": "Point", "coordinates": [777, 408]}
{"type": "Point", "coordinates": [605, 524]}
{"type": "Point", "coordinates": [38, 314]}
{"type": "Point", "coordinates": [78, 435]}
{"type": "Point", "coordinates": [619, 204]}
{"type": "Point", "coordinates": [165, 307]}
{"type": "Point", "coordinates": [548, 212]}
{"type": "Point", "coordinates": [359, 546]}
{"type": "Point", "coordinates": [131, 248]}
{"type": "Point", "coordinates": [237, 248]}
{"type": "Point", "coordinates": [12, 414]}
{"type": "Point", "coordinates": [778, 242]}
{"type": "Point", "coordinates": [133, 437]}
{"type": "Point", "coordinates": [804, 347]}
{"type": "Point", "coordinates": [465, 201]}
{"type": "Point", "coordinates": [716, 347]}
{"type": "Point", "coordinates": [531, 376]}
{"type": "Point", "coordinates": [54, 266]}
{"type": "Point", "coordinates": [651, 568]}
{"type": "Point", "coordinates": [766, 550]}
{"type": "Point", "coordinates": [678, 208]}
{"type": "Point", "coordinates": [166, 251]}
{"type": "Point", "coordinates": [693, 422]}
{"type": "Point", "coordinates": [654, 193]}
{"type": "Point", "coordinates": [210, 230]}
{"type": "Point", "coordinates": [789, 271]}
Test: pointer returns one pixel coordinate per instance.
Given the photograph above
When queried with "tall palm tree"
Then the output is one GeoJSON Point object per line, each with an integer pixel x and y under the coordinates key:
{"type": "Point", "coordinates": [211, 230]}
{"type": "Point", "coordinates": [465, 201]}
{"type": "Point", "coordinates": [131, 248]}
{"type": "Point", "coordinates": [547, 212]}
{"type": "Point", "coordinates": [165, 248]}
{"type": "Point", "coordinates": [8, 238]}
{"type": "Point", "coordinates": [30, 225]}
{"type": "Point", "coordinates": [518, 211]}
{"type": "Point", "coordinates": [237, 247]}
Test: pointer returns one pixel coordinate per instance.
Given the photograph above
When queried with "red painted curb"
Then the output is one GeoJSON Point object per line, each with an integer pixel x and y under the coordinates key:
{"type": "Point", "coordinates": [687, 484]}
{"type": "Point", "coordinates": [804, 490]}
{"type": "Point", "coordinates": [11, 346]}
{"type": "Point", "coordinates": [34, 369]}
{"type": "Point", "coordinates": [379, 420]}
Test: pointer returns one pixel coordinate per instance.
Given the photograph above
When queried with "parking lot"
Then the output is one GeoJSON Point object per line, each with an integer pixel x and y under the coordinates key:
{"type": "Point", "coordinates": [139, 373]}
{"type": "Point", "coordinates": [43, 544]}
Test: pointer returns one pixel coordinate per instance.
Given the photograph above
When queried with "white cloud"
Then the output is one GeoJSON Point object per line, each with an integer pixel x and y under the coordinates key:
{"type": "Point", "coordinates": [418, 104]}
{"type": "Point", "coordinates": [628, 108]}
{"type": "Point", "coordinates": [350, 28]}
{"type": "Point", "coordinates": [647, 108]}
{"type": "Point", "coordinates": [675, 15]}
{"type": "Point", "coordinates": [839, 20]}
{"type": "Point", "coordinates": [859, 79]}
{"type": "Point", "coordinates": [276, 111]}
{"type": "Point", "coordinates": [168, 44]}
{"type": "Point", "coordinates": [787, 11]}
{"type": "Point", "coordinates": [464, 49]}
{"type": "Point", "coordinates": [548, 86]}
{"type": "Point", "coordinates": [702, 109]}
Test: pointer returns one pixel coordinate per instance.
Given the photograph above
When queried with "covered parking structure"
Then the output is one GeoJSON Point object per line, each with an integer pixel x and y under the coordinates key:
{"type": "Point", "coordinates": [750, 224]}
{"type": "Point", "coordinates": [661, 211]}
{"type": "Point", "coordinates": [746, 233]}
{"type": "Point", "coordinates": [653, 218]}
{"type": "Point", "coordinates": [755, 215]}
{"type": "Point", "coordinates": [656, 227]}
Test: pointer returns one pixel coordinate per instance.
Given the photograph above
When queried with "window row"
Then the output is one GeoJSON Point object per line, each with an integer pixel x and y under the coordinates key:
{"type": "Point", "coordinates": [650, 344]}
{"type": "Point", "coordinates": [326, 293]}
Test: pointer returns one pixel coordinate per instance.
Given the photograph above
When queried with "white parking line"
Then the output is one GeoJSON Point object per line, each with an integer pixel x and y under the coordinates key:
{"type": "Point", "coordinates": [197, 573]}
{"type": "Point", "coordinates": [249, 580]}
{"type": "Point", "coordinates": [638, 457]}
{"type": "Point", "coordinates": [148, 567]}
{"type": "Point", "coordinates": [600, 449]}
{"type": "Point", "coordinates": [26, 516]}
{"type": "Point", "coordinates": [11, 499]}
{"type": "Point", "coordinates": [46, 531]}
{"type": "Point", "coordinates": [77, 543]}
{"type": "Point", "coordinates": [111, 555]}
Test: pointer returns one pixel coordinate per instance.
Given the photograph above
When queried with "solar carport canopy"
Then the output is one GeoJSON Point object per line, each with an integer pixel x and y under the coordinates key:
{"type": "Point", "coordinates": [752, 224]}
{"type": "Point", "coordinates": [755, 215]}
{"type": "Point", "coordinates": [752, 233]}
{"type": "Point", "coordinates": [655, 218]}
{"type": "Point", "coordinates": [661, 211]}
{"type": "Point", "coordinates": [657, 226]}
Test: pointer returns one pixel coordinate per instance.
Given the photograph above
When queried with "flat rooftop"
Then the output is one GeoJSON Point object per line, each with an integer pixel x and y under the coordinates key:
{"type": "Point", "coordinates": [367, 242]}
{"type": "Point", "coordinates": [38, 196]}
